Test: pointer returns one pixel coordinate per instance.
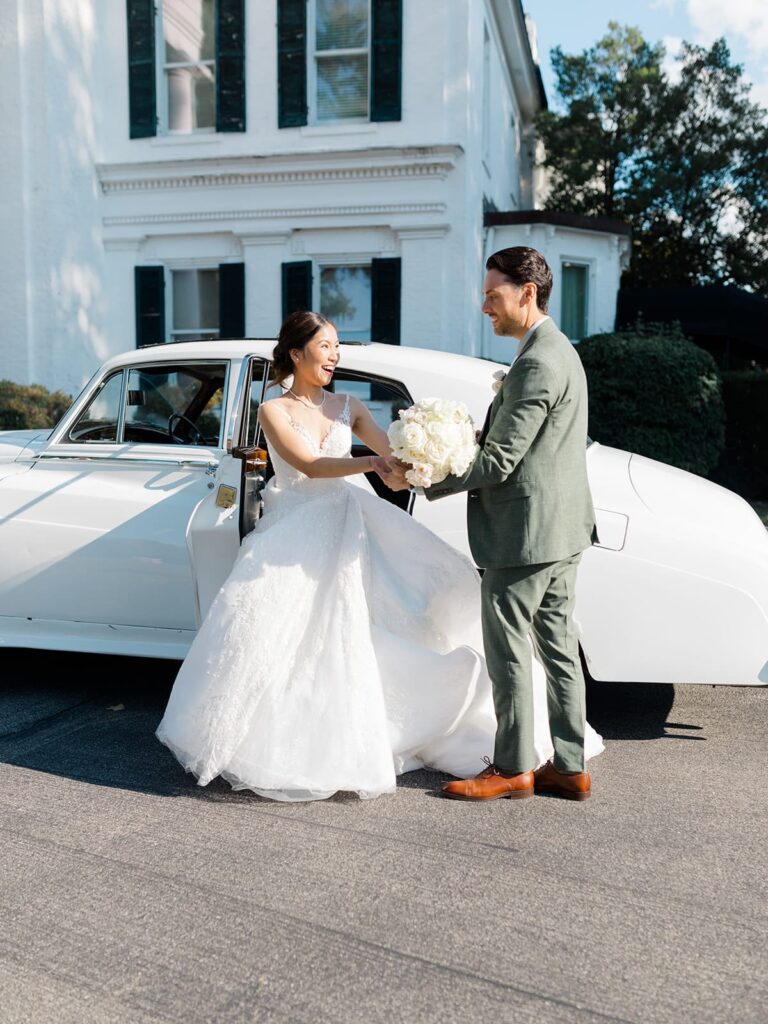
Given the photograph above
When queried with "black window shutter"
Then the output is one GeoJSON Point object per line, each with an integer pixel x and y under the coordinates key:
{"type": "Point", "coordinates": [230, 66]}
{"type": "Point", "coordinates": [297, 286]}
{"type": "Point", "coordinates": [232, 300]}
{"type": "Point", "coordinates": [141, 68]}
{"type": "Point", "coordinates": [291, 63]}
{"type": "Point", "coordinates": [386, 59]}
{"type": "Point", "coordinates": [385, 301]}
{"type": "Point", "coordinates": [150, 305]}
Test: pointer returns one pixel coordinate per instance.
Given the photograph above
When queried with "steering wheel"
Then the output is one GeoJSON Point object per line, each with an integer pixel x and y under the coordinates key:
{"type": "Point", "coordinates": [198, 438]}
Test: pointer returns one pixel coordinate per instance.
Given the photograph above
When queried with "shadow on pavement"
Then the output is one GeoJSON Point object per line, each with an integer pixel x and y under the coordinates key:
{"type": "Point", "coordinates": [634, 711]}
{"type": "Point", "coordinates": [93, 718]}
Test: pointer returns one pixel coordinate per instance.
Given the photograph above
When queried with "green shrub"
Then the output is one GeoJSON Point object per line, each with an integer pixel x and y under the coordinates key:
{"type": "Point", "coordinates": [27, 406]}
{"type": "Point", "coordinates": [653, 392]}
{"type": "Point", "coordinates": [744, 465]}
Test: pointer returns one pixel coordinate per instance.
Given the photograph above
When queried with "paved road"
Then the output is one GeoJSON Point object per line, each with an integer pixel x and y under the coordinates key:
{"type": "Point", "coordinates": [128, 894]}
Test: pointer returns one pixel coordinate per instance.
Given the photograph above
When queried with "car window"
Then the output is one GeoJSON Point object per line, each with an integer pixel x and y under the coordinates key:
{"type": "Point", "coordinates": [384, 398]}
{"type": "Point", "coordinates": [98, 422]}
{"type": "Point", "coordinates": [250, 432]}
{"type": "Point", "coordinates": [175, 404]}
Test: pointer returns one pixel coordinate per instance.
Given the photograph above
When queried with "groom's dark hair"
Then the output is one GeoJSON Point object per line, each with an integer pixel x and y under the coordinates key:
{"type": "Point", "coordinates": [521, 264]}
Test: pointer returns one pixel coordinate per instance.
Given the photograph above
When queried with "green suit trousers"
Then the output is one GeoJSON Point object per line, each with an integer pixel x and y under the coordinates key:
{"type": "Point", "coordinates": [536, 600]}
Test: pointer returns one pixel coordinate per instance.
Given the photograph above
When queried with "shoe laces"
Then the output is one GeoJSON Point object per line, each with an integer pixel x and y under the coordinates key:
{"type": "Point", "coordinates": [490, 768]}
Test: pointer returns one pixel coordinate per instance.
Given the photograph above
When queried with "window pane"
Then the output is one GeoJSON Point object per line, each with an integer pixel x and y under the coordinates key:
{"type": "Point", "coordinates": [195, 301]}
{"type": "Point", "coordinates": [98, 421]}
{"type": "Point", "coordinates": [342, 87]}
{"type": "Point", "coordinates": [342, 24]}
{"type": "Point", "coordinates": [250, 432]}
{"type": "Point", "coordinates": [345, 298]}
{"type": "Point", "coordinates": [191, 99]}
{"type": "Point", "coordinates": [194, 335]}
{"type": "Point", "coordinates": [383, 401]}
{"type": "Point", "coordinates": [573, 319]}
{"type": "Point", "coordinates": [188, 29]}
{"type": "Point", "coordinates": [175, 405]}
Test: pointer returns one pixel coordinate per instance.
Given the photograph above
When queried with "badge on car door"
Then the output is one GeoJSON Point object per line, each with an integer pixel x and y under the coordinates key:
{"type": "Point", "coordinates": [226, 496]}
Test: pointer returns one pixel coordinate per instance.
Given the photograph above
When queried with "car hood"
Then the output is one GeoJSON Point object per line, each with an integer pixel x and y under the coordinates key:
{"type": "Point", "coordinates": [14, 442]}
{"type": "Point", "coordinates": [675, 494]}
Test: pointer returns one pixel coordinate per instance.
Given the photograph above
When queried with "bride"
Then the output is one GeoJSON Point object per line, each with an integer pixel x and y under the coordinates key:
{"type": "Point", "coordinates": [345, 646]}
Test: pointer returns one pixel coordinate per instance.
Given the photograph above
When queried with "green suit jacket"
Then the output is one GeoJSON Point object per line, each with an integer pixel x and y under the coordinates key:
{"type": "Point", "coordinates": [529, 498]}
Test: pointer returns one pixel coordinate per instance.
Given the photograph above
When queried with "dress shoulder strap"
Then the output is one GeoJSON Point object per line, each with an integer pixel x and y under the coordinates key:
{"type": "Point", "coordinates": [344, 417]}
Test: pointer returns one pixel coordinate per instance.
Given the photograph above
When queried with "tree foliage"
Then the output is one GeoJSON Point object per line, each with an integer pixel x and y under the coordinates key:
{"type": "Point", "coordinates": [684, 162]}
{"type": "Point", "coordinates": [28, 406]}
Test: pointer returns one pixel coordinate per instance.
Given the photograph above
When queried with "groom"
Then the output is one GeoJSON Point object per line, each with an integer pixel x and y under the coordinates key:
{"type": "Point", "coordinates": [530, 516]}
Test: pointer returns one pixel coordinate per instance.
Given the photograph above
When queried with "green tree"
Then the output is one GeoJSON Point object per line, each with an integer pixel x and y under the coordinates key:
{"type": "Point", "coordinates": [684, 162]}
{"type": "Point", "coordinates": [594, 151]}
{"type": "Point", "coordinates": [29, 406]}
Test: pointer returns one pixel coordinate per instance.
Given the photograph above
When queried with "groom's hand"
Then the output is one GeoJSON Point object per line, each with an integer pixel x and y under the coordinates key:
{"type": "Point", "coordinates": [395, 478]}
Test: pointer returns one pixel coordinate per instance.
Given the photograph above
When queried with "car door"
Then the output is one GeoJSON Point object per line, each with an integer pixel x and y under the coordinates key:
{"type": "Point", "coordinates": [96, 530]}
{"type": "Point", "coordinates": [233, 505]}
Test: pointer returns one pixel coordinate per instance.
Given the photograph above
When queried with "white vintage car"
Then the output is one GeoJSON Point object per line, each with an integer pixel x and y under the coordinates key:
{"type": "Point", "coordinates": [118, 526]}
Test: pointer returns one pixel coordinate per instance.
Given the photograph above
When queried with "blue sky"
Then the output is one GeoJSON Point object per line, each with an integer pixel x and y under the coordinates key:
{"type": "Point", "coordinates": [577, 24]}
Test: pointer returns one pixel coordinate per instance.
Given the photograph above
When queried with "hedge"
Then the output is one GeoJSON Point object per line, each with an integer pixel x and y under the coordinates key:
{"type": "Point", "coordinates": [744, 465]}
{"type": "Point", "coordinates": [28, 406]}
{"type": "Point", "coordinates": [652, 391]}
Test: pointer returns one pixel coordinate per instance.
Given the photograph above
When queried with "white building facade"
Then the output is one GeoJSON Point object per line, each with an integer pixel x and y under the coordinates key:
{"type": "Point", "coordinates": [181, 169]}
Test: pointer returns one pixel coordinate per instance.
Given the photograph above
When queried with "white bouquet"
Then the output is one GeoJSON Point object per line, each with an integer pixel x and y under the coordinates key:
{"type": "Point", "coordinates": [436, 437]}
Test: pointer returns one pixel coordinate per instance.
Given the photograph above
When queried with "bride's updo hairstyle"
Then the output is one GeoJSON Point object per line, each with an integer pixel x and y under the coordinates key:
{"type": "Point", "coordinates": [299, 329]}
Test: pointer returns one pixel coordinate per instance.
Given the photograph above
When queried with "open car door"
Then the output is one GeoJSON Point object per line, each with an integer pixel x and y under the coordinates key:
{"type": "Point", "coordinates": [233, 506]}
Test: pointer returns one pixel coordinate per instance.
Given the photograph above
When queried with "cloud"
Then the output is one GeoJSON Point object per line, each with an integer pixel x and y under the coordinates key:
{"type": "Point", "coordinates": [743, 18]}
{"type": "Point", "coordinates": [670, 65]}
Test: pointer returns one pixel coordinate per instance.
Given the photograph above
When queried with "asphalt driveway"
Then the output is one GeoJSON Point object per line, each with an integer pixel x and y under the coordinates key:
{"type": "Point", "coordinates": [129, 894]}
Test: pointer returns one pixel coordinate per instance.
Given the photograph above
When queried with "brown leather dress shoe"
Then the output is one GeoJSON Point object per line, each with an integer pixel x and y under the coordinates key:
{"type": "Point", "coordinates": [491, 784]}
{"type": "Point", "coordinates": [571, 786]}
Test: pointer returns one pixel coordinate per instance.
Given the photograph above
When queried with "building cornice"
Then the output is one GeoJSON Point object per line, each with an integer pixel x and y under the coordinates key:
{"type": "Point", "coordinates": [295, 212]}
{"type": "Point", "coordinates": [284, 169]}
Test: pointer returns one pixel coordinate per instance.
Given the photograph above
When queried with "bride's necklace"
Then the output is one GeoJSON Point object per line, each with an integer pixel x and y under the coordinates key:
{"type": "Point", "coordinates": [308, 402]}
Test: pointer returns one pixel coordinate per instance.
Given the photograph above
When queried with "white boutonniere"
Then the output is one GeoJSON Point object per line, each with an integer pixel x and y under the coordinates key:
{"type": "Point", "coordinates": [498, 380]}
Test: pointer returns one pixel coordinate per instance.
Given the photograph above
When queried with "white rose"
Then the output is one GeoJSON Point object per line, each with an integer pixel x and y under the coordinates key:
{"type": "Point", "coordinates": [414, 436]}
{"type": "Point", "coordinates": [420, 475]}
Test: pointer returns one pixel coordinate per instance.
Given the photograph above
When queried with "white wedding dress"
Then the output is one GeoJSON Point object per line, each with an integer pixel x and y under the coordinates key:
{"type": "Point", "coordinates": [343, 649]}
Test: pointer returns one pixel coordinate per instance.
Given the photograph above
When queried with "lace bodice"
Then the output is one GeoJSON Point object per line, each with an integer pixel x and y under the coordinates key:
{"type": "Point", "coordinates": [337, 444]}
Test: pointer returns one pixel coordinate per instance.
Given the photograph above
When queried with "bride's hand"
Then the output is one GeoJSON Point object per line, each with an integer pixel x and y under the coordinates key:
{"type": "Point", "coordinates": [379, 465]}
{"type": "Point", "coordinates": [395, 478]}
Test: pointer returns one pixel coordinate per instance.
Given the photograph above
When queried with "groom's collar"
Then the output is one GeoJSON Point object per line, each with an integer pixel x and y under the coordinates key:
{"type": "Point", "coordinates": [532, 328]}
{"type": "Point", "coordinates": [529, 334]}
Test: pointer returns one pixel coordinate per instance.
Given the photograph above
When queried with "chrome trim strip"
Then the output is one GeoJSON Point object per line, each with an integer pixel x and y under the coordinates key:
{"type": "Point", "coordinates": [121, 410]}
{"type": "Point", "coordinates": [242, 397]}
{"type": "Point", "coordinates": [116, 460]}
{"type": "Point", "coordinates": [233, 416]}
